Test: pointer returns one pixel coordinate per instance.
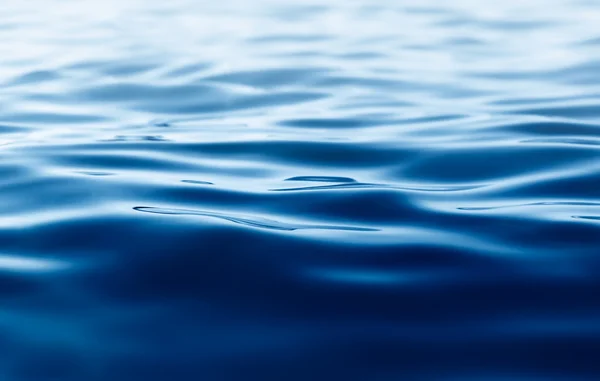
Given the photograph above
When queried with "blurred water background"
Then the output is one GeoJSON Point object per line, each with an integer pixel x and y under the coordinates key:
{"type": "Point", "coordinates": [300, 190]}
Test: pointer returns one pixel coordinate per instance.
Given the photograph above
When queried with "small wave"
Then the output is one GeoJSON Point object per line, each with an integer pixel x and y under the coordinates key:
{"type": "Point", "coordinates": [354, 190]}
{"type": "Point", "coordinates": [197, 182]}
{"type": "Point", "coordinates": [545, 203]}
{"type": "Point", "coordinates": [322, 179]}
{"type": "Point", "coordinates": [250, 221]}
{"type": "Point", "coordinates": [358, 185]}
{"type": "Point", "coordinates": [589, 142]}
{"type": "Point", "coordinates": [593, 218]}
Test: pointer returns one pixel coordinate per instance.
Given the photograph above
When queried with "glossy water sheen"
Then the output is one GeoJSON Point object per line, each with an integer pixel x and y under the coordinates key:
{"type": "Point", "coordinates": [269, 190]}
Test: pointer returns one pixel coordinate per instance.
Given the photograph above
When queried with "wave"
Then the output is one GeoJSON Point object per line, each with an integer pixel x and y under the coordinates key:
{"type": "Point", "coordinates": [299, 191]}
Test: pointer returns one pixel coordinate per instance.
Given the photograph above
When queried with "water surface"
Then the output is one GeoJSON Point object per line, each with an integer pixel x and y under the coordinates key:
{"type": "Point", "coordinates": [299, 190]}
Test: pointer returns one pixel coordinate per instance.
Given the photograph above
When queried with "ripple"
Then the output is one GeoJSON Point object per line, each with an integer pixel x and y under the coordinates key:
{"type": "Point", "coordinates": [590, 142]}
{"type": "Point", "coordinates": [293, 191]}
{"type": "Point", "coordinates": [358, 185]}
{"type": "Point", "coordinates": [130, 138]}
{"type": "Point", "coordinates": [92, 173]}
{"type": "Point", "coordinates": [323, 179]}
{"type": "Point", "coordinates": [547, 203]}
{"type": "Point", "coordinates": [593, 218]}
{"type": "Point", "coordinates": [334, 123]}
{"type": "Point", "coordinates": [249, 221]}
{"type": "Point", "coordinates": [9, 129]}
{"type": "Point", "coordinates": [197, 182]}
{"type": "Point", "coordinates": [269, 78]}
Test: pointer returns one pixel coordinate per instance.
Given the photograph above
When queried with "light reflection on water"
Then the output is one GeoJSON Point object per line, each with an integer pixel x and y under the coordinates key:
{"type": "Point", "coordinates": [299, 190]}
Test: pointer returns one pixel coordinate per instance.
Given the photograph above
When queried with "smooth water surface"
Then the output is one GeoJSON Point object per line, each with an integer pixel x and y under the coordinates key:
{"type": "Point", "coordinates": [300, 190]}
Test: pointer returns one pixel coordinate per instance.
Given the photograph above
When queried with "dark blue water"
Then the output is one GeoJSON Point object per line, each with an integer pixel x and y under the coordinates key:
{"type": "Point", "coordinates": [269, 190]}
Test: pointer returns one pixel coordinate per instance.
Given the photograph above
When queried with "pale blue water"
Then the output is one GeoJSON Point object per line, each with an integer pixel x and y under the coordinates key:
{"type": "Point", "coordinates": [301, 190]}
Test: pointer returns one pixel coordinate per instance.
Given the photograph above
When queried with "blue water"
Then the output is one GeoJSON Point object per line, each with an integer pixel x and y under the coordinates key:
{"type": "Point", "coordinates": [300, 190]}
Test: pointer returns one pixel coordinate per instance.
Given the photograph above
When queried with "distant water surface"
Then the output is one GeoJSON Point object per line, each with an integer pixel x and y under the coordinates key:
{"type": "Point", "coordinates": [300, 190]}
